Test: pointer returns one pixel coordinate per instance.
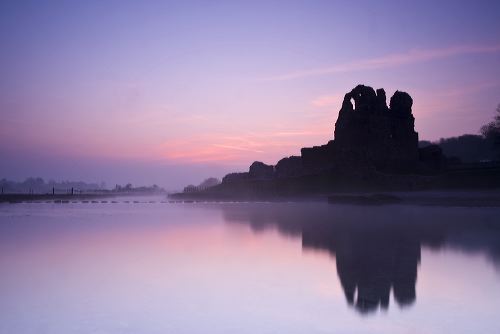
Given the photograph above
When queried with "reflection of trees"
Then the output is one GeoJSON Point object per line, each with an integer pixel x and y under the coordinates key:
{"type": "Point", "coordinates": [377, 249]}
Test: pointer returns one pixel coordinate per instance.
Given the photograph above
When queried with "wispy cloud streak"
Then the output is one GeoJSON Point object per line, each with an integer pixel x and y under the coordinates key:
{"type": "Point", "coordinates": [240, 148]}
{"type": "Point", "coordinates": [392, 60]}
{"type": "Point", "coordinates": [327, 100]}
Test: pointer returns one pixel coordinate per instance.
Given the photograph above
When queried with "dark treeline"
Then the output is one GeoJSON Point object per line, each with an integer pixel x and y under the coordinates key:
{"type": "Point", "coordinates": [207, 183]}
{"type": "Point", "coordinates": [468, 148]}
{"type": "Point", "coordinates": [473, 148]}
{"type": "Point", "coordinates": [128, 188]}
{"type": "Point", "coordinates": [37, 185]}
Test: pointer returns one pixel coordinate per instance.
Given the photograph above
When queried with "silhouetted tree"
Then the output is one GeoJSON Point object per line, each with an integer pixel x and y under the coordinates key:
{"type": "Point", "coordinates": [207, 183]}
{"type": "Point", "coordinates": [190, 188]}
{"type": "Point", "coordinates": [491, 132]}
{"type": "Point", "coordinates": [473, 148]}
{"type": "Point", "coordinates": [210, 182]}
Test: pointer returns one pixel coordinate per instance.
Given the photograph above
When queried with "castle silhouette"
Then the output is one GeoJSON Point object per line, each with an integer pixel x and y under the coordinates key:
{"type": "Point", "coordinates": [375, 147]}
{"type": "Point", "coordinates": [369, 135]}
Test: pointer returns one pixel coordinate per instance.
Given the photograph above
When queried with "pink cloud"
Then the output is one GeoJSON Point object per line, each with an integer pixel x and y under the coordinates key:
{"type": "Point", "coordinates": [268, 147]}
{"type": "Point", "coordinates": [327, 101]}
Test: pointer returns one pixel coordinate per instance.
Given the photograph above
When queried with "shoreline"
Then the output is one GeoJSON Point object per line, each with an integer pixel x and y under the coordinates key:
{"type": "Point", "coordinates": [20, 198]}
{"type": "Point", "coordinates": [459, 198]}
{"type": "Point", "coordinates": [446, 198]}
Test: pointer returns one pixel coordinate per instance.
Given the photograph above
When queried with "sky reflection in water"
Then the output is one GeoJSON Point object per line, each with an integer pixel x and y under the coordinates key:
{"type": "Point", "coordinates": [247, 268]}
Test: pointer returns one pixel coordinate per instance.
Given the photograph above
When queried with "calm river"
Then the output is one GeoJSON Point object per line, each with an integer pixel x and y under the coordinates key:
{"type": "Point", "coordinates": [247, 268]}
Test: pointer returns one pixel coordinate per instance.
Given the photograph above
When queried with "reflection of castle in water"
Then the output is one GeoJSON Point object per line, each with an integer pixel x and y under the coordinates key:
{"type": "Point", "coordinates": [371, 262]}
{"type": "Point", "coordinates": [377, 250]}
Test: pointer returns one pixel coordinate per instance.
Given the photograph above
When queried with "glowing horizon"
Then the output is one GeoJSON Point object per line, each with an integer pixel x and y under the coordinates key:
{"type": "Point", "coordinates": [225, 84]}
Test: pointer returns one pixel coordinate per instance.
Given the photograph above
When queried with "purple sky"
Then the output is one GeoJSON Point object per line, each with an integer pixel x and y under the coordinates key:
{"type": "Point", "coordinates": [173, 92]}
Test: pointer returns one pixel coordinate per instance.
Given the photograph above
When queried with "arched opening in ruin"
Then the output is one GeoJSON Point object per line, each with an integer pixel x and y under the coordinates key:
{"type": "Point", "coordinates": [353, 103]}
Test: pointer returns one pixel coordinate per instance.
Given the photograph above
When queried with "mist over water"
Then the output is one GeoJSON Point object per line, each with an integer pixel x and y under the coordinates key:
{"type": "Point", "coordinates": [118, 119]}
{"type": "Point", "coordinates": [247, 268]}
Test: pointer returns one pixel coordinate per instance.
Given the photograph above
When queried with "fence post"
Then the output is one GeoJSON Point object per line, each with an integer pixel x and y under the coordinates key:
{"type": "Point", "coordinates": [53, 191]}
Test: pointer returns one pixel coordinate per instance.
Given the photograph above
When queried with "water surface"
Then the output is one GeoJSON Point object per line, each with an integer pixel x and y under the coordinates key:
{"type": "Point", "coordinates": [248, 268]}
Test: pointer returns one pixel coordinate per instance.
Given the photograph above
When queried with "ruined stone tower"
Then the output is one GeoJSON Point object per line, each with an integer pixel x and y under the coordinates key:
{"type": "Point", "coordinates": [369, 134]}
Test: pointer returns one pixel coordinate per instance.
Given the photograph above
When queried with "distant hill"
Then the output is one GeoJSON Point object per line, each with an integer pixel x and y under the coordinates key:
{"type": "Point", "coordinates": [468, 148]}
